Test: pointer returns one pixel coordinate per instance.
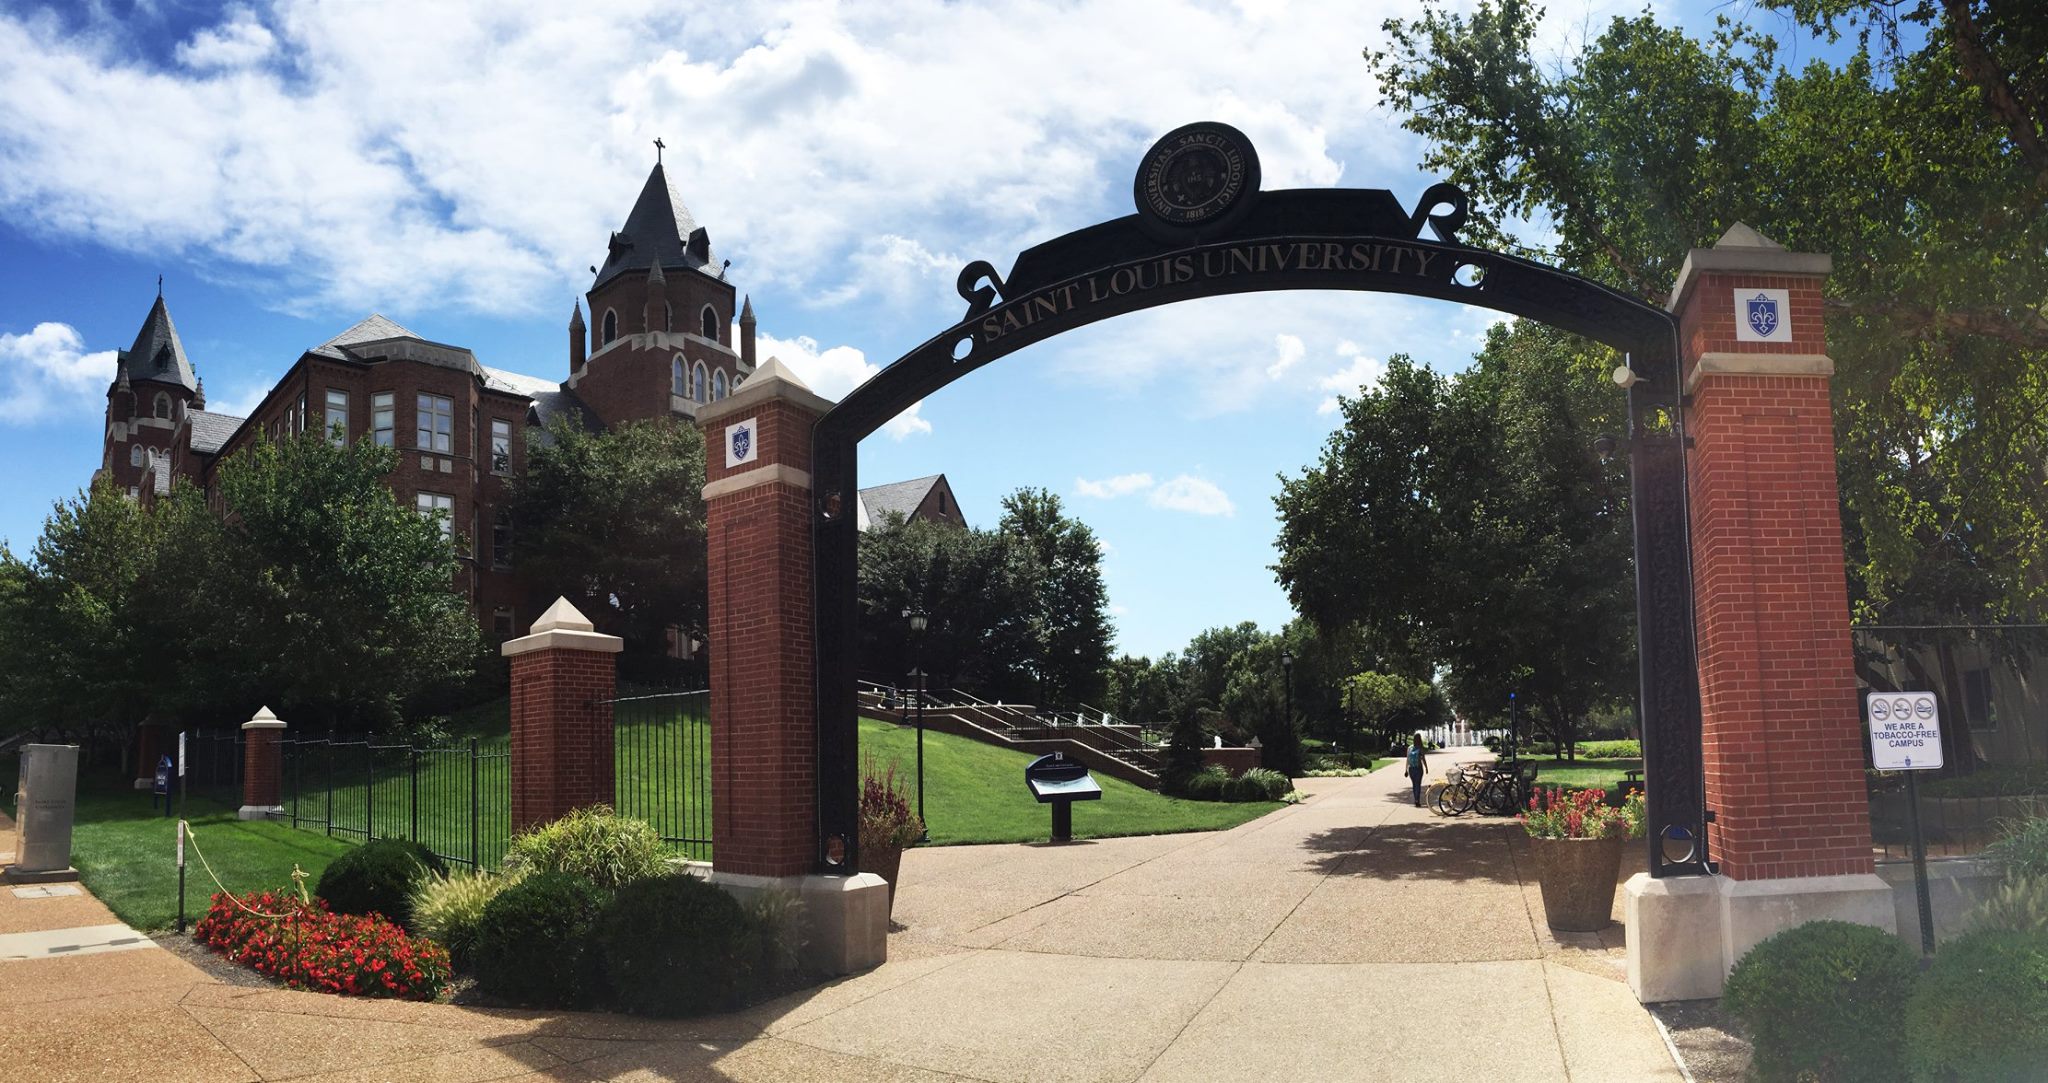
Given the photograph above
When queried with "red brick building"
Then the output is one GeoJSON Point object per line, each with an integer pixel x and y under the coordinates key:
{"type": "Point", "coordinates": [659, 343]}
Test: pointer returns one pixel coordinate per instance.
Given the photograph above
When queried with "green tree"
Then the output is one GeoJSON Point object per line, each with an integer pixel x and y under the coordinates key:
{"type": "Point", "coordinates": [1469, 522]}
{"type": "Point", "coordinates": [1919, 162]}
{"type": "Point", "coordinates": [1384, 702]}
{"type": "Point", "coordinates": [979, 591]}
{"type": "Point", "coordinates": [1071, 614]}
{"type": "Point", "coordinates": [614, 521]}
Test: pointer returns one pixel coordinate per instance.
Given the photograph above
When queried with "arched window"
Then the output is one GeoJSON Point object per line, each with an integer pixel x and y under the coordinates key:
{"type": "Point", "coordinates": [675, 377]}
{"type": "Point", "coordinates": [697, 382]}
{"type": "Point", "coordinates": [163, 405]}
{"type": "Point", "coordinates": [717, 385]}
{"type": "Point", "coordinates": [135, 455]}
{"type": "Point", "coordinates": [611, 327]}
{"type": "Point", "coordinates": [710, 321]}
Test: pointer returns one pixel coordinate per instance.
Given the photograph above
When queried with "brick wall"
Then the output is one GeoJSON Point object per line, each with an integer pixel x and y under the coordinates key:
{"type": "Point", "coordinates": [262, 766]}
{"type": "Point", "coordinates": [561, 733]}
{"type": "Point", "coordinates": [1782, 740]}
{"type": "Point", "coordinates": [764, 660]}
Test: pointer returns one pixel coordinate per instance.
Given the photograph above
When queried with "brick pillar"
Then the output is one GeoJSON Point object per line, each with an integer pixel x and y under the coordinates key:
{"type": "Point", "coordinates": [262, 767]}
{"type": "Point", "coordinates": [1783, 737]}
{"type": "Point", "coordinates": [563, 680]}
{"type": "Point", "coordinates": [757, 506]}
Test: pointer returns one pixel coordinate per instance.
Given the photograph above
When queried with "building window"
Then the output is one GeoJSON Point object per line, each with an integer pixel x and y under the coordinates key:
{"type": "Point", "coordinates": [717, 385]}
{"type": "Point", "coordinates": [501, 622]}
{"type": "Point", "coordinates": [439, 506]}
{"type": "Point", "coordinates": [435, 424]}
{"type": "Point", "coordinates": [299, 418]}
{"type": "Point", "coordinates": [336, 418]}
{"type": "Point", "coordinates": [383, 417]}
{"type": "Point", "coordinates": [697, 382]}
{"type": "Point", "coordinates": [501, 446]}
{"type": "Point", "coordinates": [611, 327]}
{"type": "Point", "coordinates": [163, 405]}
{"type": "Point", "coordinates": [675, 377]}
{"type": "Point", "coordinates": [501, 539]}
{"type": "Point", "coordinates": [668, 316]}
{"type": "Point", "coordinates": [710, 321]}
{"type": "Point", "coordinates": [1979, 706]}
{"type": "Point", "coordinates": [135, 455]}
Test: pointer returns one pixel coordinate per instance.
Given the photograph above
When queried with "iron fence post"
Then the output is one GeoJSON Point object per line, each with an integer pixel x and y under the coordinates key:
{"type": "Point", "coordinates": [473, 853]}
{"type": "Point", "coordinates": [414, 750]}
{"type": "Point", "coordinates": [369, 789]}
{"type": "Point", "coordinates": [330, 782]}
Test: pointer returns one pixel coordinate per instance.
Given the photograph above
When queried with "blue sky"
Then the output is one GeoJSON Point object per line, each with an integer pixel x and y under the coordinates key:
{"type": "Point", "coordinates": [290, 167]}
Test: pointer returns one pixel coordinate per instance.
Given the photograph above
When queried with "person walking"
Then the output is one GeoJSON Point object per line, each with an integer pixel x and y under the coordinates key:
{"type": "Point", "coordinates": [1418, 766]}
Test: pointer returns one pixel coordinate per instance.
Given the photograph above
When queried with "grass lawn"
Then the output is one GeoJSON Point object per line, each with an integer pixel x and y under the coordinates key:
{"type": "Point", "coordinates": [125, 852]}
{"type": "Point", "coordinates": [974, 792]}
{"type": "Point", "coordinates": [1585, 774]}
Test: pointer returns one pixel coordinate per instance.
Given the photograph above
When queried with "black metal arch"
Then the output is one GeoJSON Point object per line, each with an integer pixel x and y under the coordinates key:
{"type": "Point", "coordinates": [1325, 239]}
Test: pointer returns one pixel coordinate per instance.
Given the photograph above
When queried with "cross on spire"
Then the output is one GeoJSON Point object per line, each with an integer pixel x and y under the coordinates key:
{"type": "Point", "coordinates": [658, 145]}
{"type": "Point", "coordinates": [159, 287]}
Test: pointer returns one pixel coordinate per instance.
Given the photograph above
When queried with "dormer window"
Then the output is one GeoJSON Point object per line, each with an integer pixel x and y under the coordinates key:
{"type": "Point", "coordinates": [163, 405]}
{"type": "Point", "coordinates": [710, 323]}
{"type": "Point", "coordinates": [611, 328]}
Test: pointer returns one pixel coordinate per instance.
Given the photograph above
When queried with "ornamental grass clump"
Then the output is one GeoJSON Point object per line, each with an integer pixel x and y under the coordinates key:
{"type": "Point", "coordinates": [303, 944]}
{"type": "Point", "coordinates": [592, 843]}
{"type": "Point", "coordinates": [449, 909]}
{"type": "Point", "coordinates": [1557, 813]}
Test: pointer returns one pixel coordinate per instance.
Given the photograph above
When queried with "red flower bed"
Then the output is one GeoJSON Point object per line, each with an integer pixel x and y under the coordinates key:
{"type": "Point", "coordinates": [307, 946]}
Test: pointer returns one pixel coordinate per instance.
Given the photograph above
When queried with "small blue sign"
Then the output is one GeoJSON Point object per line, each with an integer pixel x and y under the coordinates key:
{"type": "Point", "coordinates": [163, 775]}
{"type": "Point", "coordinates": [742, 442]}
{"type": "Point", "coordinates": [1763, 315]}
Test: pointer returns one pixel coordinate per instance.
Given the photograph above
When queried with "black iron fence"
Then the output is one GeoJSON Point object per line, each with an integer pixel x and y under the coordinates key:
{"type": "Point", "coordinates": [1994, 720]}
{"type": "Point", "coordinates": [455, 800]}
{"type": "Point", "coordinates": [661, 742]}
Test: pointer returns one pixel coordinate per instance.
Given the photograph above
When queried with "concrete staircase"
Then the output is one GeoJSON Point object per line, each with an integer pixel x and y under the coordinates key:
{"type": "Point", "coordinates": [1096, 738]}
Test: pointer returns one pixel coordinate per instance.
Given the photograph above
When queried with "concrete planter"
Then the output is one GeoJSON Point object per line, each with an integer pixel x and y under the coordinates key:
{"type": "Point", "coordinates": [884, 862]}
{"type": "Point", "coordinates": [1578, 881]}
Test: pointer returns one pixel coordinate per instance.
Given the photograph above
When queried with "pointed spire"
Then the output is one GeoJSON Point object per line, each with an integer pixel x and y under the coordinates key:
{"type": "Point", "coordinates": [576, 316]}
{"type": "Point", "coordinates": [654, 276]}
{"type": "Point", "coordinates": [157, 353]}
{"type": "Point", "coordinates": [199, 396]}
{"type": "Point", "coordinates": [747, 311]}
{"type": "Point", "coordinates": [658, 230]}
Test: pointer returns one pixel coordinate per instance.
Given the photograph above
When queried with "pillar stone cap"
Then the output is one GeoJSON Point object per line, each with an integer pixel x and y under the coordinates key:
{"type": "Point", "coordinates": [772, 381]}
{"type": "Point", "coordinates": [1743, 250]}
{"type": "Point", "coordinates": [263, 720]}
{"type": "Point", "coordinates": [563, 626]}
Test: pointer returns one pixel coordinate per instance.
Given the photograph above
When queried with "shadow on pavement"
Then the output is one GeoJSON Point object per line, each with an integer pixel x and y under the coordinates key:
{"type": "Point", "coordinates": [1452, 851]}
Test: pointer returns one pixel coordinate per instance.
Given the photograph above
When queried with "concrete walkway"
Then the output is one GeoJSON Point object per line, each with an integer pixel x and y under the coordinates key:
{"type": "Point", "coordinates": [1347, 938]}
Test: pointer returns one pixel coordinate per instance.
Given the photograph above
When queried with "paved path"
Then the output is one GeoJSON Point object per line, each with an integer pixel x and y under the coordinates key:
{"type": "Point", "coordinates": [1346, 938]}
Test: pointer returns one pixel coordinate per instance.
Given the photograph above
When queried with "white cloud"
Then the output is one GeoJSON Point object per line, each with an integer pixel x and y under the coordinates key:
{"type": "Point", "coordinates": [47, 372]}
{"type": "Point", "coordinates": [1192, 494]}
{"type": "Point", "coordinates": [1111, 488]}
{"type": "Point", "coordinates": [1358, 373]}
{"type": "Point", "coordinates": [1288, 350]}
{"type": "Point", "coordinates": [353, 156]}
{"type": "Point", "coordinates": [834, 372]}
{"type": "Point", "coordinates": [240, 402]}
{"type": "Point", "coordinates": [237, 43]}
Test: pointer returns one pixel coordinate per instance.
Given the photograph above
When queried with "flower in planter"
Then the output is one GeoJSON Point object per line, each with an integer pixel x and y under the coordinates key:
{"type": "Point", "coordinates": [1557, 813]}
{"type": "Point", "coordinates": [886, 820]}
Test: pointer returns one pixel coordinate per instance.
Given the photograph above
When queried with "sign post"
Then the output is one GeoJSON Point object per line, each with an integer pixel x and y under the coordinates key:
{"type": "Point", "coordinates": [181, 829]}
{"type": "Point", "coordinates": [1905, 735]}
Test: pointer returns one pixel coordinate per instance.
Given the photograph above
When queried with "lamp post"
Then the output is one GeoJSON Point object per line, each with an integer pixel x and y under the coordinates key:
{"type": "Point", "coordinates": [917, 619]}
{"type": "Point", "coordinates": [1287, 689]}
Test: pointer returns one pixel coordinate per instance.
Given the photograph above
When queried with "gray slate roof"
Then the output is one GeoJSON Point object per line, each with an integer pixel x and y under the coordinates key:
{"type": "Point", "coordinates": [898, 498]}
{"type": "Point", "coordinates": [658, 228]}
{"type": "Point", "coordinates": [369, 329]}
{"type": "Point", "coordinates": [211, 431]}
{"type": "Point", "coordinates": [550, 398]}
{"type": "Point", "coordinates": [157, 353]}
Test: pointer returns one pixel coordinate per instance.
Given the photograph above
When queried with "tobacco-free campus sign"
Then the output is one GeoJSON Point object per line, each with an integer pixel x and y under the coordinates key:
{"type": "Point", "coordinates": [1905, 731]}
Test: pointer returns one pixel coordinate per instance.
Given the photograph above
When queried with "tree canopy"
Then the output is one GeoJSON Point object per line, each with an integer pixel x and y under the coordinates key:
{"type": "Point", "coordinates": [1920, 163]}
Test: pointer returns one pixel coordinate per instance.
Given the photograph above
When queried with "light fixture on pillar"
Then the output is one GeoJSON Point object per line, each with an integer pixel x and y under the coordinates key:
{"type": "Point", "coordinates": [918, 621]}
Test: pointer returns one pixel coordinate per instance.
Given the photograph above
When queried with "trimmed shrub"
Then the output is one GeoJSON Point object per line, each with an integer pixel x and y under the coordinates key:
{"type": "Point", "coordinates": [306, 946]}
{"type": "Point", "coordinates": [1265, 784]}
{"type": "Point", "coordinates": [676, 945]}
{"type": "Point", "coordinates": [1207, 784]}
{"type": "Point", "coordinates": [534, 944]}
{"type": "Point", "coordinates": [1981, 1011]}
{"type": "Point", "coordinates": [378, 877]}
{"type": "Point", "coordinates": [448, 909]}
{"type": "Point", "coordinates": [1823, 1000]}
{"type": "Point", "coordinates": [1610, 750]}
{"type": "Point", "coordinates": [594, 843]}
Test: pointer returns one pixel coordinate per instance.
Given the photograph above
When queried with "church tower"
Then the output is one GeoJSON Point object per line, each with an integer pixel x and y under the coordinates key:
{"type": "Point", "coordinates": [661, 316]}
{"type": "Point", "coordinates": [148, 405]}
